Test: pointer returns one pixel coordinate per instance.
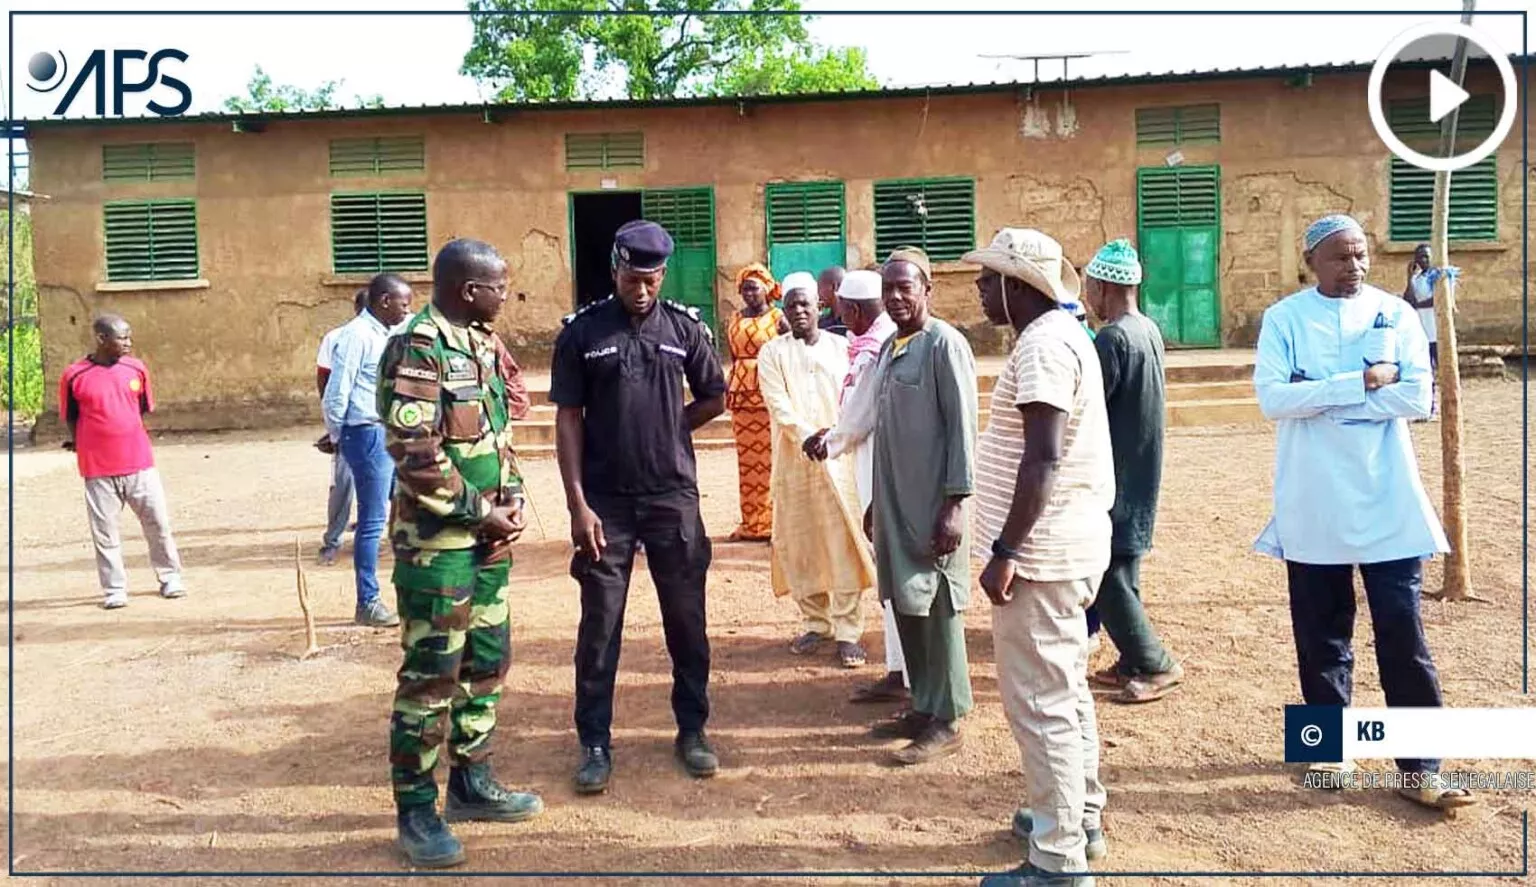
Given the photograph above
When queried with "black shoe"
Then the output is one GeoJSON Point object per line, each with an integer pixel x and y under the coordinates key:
{"type": "Point", "coordinates": [426, 840]}
{"type": "Point", "coordinates": [596, 767]}
{"type": "Point", "coordinates": [698, 758]}
{"type": "Point", "coordinates": [474, 794]}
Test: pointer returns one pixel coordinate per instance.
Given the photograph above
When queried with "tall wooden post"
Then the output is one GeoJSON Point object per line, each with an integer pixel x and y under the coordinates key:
{"type": "Point", "coordinates": [1458, 583]}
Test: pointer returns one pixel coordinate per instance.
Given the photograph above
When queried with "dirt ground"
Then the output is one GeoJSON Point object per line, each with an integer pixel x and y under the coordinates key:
{"type": "Point", "coordinates": [186, 735]}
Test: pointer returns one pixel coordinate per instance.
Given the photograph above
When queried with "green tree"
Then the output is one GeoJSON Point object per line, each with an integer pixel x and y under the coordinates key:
{"type": "Point", "coordinates": [261, 94]}
{"type": "Point", "coordinates": [819, 70]}
{"type": "Point", "coordinates": [27, 397]}
{"type": "Point", "coordinates": [693, 49]}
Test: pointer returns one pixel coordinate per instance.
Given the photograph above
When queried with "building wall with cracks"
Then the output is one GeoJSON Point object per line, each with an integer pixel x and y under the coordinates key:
{"type": "Point", "coordinates": [236, 349]}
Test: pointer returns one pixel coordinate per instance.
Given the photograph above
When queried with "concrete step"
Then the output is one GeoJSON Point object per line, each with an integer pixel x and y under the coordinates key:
{"type": "Point", "coordinates": [1204, 413]}
{"type": "Point", "coordinates": [1180, 392]}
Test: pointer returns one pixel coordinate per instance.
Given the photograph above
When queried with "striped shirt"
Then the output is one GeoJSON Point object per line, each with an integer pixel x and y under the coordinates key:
{"type": "Point", "coordinates": [1054, 362]}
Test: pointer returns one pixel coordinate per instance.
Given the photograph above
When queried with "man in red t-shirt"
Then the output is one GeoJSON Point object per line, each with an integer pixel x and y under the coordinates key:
{"type": "Point", "coordinates": [103, 398]}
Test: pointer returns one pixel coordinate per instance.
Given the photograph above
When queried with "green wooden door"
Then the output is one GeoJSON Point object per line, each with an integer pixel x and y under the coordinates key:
{"type": "Point", "coordinates": [807, 226]}
{"type": "Point", "coordinates": [1178, 222]}
{"type": "Point", "coordinates": [688, 214]}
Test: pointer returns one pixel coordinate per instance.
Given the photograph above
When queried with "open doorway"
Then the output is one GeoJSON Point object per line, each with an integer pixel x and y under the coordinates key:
{"type": "Point", "coordinates": [594, 220]}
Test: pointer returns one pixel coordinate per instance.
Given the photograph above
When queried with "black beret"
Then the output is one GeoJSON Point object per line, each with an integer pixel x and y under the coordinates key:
{"type": "Point", "coordinates": [642, 246]}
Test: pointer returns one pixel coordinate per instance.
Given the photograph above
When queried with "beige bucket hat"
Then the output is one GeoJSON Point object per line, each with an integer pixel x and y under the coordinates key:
{"type": "Point", "coordinates": [1033, 257]}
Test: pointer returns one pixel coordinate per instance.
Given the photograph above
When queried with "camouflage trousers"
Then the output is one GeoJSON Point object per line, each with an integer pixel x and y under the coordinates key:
{"type": "Point", "coordinates": [458, 646]}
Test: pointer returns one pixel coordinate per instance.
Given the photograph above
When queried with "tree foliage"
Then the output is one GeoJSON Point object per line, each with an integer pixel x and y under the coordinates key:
{"type": "Point", "coordinates": [262, 95]}
{"type": "Point", "coordinates": [558, 50]}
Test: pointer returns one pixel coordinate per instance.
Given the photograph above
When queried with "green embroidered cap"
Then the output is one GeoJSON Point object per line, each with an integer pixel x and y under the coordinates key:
{"type": "Point", "coordinates": [1116, 262]}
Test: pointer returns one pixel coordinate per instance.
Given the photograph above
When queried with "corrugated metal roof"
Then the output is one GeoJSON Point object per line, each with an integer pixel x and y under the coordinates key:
{"type": "Point", "coordinates": [701, 101]}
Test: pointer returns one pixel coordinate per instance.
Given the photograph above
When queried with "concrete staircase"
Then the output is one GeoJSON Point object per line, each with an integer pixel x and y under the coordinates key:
{"type": "Point", "coordinates": [1204, 388]}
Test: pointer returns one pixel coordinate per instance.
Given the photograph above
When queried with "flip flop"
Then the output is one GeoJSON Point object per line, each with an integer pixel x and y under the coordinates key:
{"type": "Point", "coordinates": [806, 644]}
{"type": "Point", "coordinates": [883, 690]}
{"type": "Point", "coordinates": [1438, 797]}
{"type": "Point", "coordinates": [1149, 688]}
{"type": "Point", "coordinates": [1110, 677]}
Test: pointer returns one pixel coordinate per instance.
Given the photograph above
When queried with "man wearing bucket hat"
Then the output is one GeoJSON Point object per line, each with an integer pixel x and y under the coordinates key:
{"type": "Point", "coordinates": [1044, 486]}
{"type": "Point", "coordinates": [1130, 352]}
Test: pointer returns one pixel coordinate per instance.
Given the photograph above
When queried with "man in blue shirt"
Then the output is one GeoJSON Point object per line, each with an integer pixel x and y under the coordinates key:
{"type": "Point", "coordinates": [1340, 367]}
{"type": "Point", "coordinates": [352, 423]}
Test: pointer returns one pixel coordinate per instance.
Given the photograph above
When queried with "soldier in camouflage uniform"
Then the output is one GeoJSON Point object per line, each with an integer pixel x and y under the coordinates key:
{"type": "Point", "coordinates": [443, 396]}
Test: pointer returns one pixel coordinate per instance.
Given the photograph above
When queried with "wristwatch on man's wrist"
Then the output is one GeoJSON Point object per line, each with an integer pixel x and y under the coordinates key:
{"type": "Point", "coordinates": [999, 549]}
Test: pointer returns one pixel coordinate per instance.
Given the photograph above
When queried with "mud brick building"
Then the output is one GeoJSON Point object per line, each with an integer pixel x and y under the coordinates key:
{"type": "Point", "coordinates": [233, 242]}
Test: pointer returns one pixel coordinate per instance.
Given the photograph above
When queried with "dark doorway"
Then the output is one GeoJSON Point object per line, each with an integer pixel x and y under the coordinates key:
{"type": "Point", "coordinates": [594, 219]}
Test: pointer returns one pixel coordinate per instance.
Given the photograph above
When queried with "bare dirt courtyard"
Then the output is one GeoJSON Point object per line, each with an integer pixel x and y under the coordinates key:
{"type": "Point", "coordinates": [187, 736]}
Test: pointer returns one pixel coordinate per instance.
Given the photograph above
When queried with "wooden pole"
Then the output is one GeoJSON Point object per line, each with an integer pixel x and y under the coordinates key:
{"type": "Point", "coordinates": [1458, 583]}
{"type": "Point", "coordinates": [311, 643]}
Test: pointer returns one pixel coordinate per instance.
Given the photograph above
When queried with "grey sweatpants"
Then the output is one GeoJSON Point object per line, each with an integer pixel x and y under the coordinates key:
{"type": "Point", "coordinates": [141, 492]}
{"type": "Point", "coordinates": [338, 508]}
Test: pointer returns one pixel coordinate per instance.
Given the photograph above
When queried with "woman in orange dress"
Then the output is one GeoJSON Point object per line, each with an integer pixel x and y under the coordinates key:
{"type": "Point", "coordinates": [754, 324]}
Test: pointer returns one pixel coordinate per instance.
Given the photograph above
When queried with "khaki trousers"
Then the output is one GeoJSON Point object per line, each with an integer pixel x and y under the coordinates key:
{"type": "Point", "coordinates": [143, 493]}
{"type": "Point", "coordinates": [1041, 640]}
{"type": "Point", "coordinates": [837, 615]}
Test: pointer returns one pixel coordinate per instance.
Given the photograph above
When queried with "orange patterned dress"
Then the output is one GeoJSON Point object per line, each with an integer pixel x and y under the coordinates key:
{"type": "Point", "coordinates": [749, 422]}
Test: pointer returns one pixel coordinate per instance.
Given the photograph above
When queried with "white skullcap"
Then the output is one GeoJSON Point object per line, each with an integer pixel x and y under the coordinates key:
{"type": "Point", "coordinates": [799, 280]}
{"type": "Point", "coordinates": [860, 286]}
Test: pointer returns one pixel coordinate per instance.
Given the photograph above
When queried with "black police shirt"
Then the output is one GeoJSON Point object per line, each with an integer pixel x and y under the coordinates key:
{"type": "Point", "coordinates": [628, 379]}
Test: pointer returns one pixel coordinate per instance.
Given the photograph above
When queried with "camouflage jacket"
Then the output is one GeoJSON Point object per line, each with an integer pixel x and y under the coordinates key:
{"type": "Point", "coordinates": [443, 398]}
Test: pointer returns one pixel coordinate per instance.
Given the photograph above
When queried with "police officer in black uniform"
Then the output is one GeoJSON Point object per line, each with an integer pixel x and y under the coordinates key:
{"type": "Point", "coordinates": [625, 446]}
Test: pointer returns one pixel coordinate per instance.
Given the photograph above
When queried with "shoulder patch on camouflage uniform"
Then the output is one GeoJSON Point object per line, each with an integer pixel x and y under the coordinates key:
{"type": "Point", "coordinates": [423, 329]}
{"type": "Point", "coordinates": [566, 320]}
{"type": "Point", "coordinates": [692, 314]}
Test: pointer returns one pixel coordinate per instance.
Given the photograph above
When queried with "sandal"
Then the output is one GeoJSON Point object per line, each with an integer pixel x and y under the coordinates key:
{"type": "Point", "coordinates": [1149, 688]}
{"type": "Point", "coordinates": [1111, 677]}
{"type": "Point", "coordinates": [1438, 797]}
{"type": "Point", "coordinates": [806, 644]}
{"type": "Point", "coordinates": [850, 655]}
{"type": "Point", "coordinates": [888, 689]}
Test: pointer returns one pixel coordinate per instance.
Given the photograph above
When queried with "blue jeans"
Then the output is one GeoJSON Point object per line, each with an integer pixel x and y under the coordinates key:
{"type": "Point", "coordinates": [373, 476]}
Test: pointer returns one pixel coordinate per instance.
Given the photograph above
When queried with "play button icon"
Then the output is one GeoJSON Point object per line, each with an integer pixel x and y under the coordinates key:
{"type": "Point", "coordinates": [1445, 95]}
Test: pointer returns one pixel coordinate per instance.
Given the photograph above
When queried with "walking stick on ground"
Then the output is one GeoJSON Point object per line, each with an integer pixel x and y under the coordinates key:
{"type": "Point", "coordinates": [517, 466]}
{"type": "Point", "coordinates": [312, 644]}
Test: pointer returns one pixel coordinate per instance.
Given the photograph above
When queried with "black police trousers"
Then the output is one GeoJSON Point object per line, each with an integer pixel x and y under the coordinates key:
{"type": "Point", "coordinates": [678, 551]}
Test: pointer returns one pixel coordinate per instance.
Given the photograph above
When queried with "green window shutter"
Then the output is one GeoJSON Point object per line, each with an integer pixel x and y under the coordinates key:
{"type": "Point", "coordinates": [688, 214]}
{"type": "Point", "coordinates": [805, 212]}
{"type": "Point", "coordinates": [1178, 197]}
{"type": "Point", "coordinates": [374, 232]}
{"type": "Point", "coordinates": [604, 150]}
{"type": "Point", "coordinates": [378, 156]}
{"type": "Point", "coordinates": [148, 162]}
{"type": "Point", "coordinates": [1185, 125]}
{"type": "Point", "coordinates": [946, 231]}
{"type": "Point", "coordinates": [151, 239]}
{"type": "Point", "coordinates": [1474, 211]}
{"type": "Point", "coordinates": [1409, 120]}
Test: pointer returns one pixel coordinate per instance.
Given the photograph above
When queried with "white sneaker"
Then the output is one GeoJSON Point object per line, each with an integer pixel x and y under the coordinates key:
{"type": "Point", "coordinates": [172, 590]}
{"type": "Point", "coordinates": [116, 600]}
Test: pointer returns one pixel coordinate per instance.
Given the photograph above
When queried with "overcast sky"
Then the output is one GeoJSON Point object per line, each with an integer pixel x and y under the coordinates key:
{"type": "Point", "coordinates": [415, 59]}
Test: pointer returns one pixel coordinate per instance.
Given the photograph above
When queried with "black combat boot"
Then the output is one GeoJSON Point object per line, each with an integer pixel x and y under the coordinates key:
{"type": "Point", "coordinates": [474, 794]}
{"type": "Point", "coordinates": [426, 840]}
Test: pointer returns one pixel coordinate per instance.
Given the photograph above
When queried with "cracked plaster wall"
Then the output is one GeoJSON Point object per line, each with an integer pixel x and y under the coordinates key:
{"type": "Point", "coordinates": [240, 352]}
